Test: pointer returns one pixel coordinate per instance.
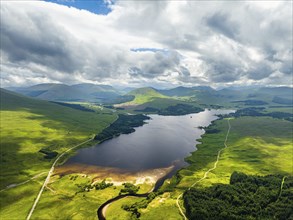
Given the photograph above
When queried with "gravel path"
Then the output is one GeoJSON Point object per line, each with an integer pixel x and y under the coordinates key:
{"type": "Point", "coordinates": [206, 173]}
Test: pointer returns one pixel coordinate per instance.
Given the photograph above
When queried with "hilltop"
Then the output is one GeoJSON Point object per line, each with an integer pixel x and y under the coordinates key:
{"type": "Point", "coordinates": [145, 94]}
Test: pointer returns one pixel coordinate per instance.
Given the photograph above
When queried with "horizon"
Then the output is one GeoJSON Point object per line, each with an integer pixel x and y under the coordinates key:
{"type": "Point", "coordinates": [119, 87]}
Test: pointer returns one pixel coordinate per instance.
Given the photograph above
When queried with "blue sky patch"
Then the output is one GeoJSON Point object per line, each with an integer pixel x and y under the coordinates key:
{"type": "Point", "coordinates": [144, 49]}
{"type": "Point", "coordinates": [94, 6]}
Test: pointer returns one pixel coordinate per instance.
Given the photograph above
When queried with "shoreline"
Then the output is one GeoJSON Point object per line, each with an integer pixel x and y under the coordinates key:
{"type": "Point", "coordinates": [155, 177]}
{"type": "Point", "coordinates": [115, 175]}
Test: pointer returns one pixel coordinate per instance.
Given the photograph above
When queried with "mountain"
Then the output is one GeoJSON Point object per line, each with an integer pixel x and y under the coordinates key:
{"type": "Point", "coordinates": [62, 92]}
{"type": "Point", "coordinates": [92, 88]}
{"type": "Point", "coordinates": [52, 92]}
{"type": "Point", "coordinates": [184, 91]}
{"type": "Point", "coordinates": [101, 92]}
{"type": "Point", "coordinates": [18, 102]}
{"type": "Point", "coordinates": [277, 91]}
{"type": "Point", "coordinates": [145, 94]}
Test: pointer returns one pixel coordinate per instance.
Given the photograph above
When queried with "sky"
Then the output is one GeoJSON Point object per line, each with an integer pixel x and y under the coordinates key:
{"type": "Point", "coordinates": [146, 43]}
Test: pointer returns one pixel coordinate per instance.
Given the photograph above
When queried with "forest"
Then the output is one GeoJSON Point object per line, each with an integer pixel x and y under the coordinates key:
{"type": "Point", "coordinates": [259, 111]}
{"type": "Point", "coordinates": [246, 197]}
{"type": "Point", "coordinates": [125, 124]}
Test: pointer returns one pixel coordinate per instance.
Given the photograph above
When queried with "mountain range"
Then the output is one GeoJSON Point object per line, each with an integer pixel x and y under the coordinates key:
{"type": "Point", "coordinates": [107, 94]}
{"type": "Point", "coordinates": [61, 92]}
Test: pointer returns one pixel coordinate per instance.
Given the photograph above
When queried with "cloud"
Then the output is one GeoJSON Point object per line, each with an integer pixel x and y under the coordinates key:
{"type": "Point", "coordinates": [221, 23]}
{"type": "Point", "coordinates": [139, 42]}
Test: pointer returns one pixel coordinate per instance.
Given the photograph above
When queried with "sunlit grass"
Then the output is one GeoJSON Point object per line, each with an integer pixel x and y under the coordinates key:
{"type": "Point", "coordinates": [28, 125]}
{"type": "Point", "coordinates": [256, 145]}
{"type": "Point", "coordinates": [64, 201]}
{"type": "Point", "coordinates": [115, 212]}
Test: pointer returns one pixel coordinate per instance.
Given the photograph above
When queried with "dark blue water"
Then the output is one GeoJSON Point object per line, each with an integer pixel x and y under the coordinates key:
{"type": "Point", "coordinates": [163, 141]}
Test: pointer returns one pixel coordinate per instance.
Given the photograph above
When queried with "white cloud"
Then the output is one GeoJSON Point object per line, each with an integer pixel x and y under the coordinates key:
{"type": "Point", "coordinates": [207, 42]}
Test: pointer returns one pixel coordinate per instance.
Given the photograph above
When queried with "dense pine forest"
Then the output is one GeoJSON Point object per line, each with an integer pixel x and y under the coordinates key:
{"type": "Point", "coordinates": [246, 197]}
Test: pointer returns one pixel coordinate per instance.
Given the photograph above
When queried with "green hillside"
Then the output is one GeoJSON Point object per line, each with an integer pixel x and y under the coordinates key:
{"type": "Point", "coordinates": [150, 100]}
{"type": "Point", "coordinates": [143, 95]}
{"type": "Point", "coordinates": [29, 125]}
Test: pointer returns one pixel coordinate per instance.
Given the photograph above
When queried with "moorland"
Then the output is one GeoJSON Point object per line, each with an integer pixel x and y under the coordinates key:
{"type": "Point", "coordinates": [243, 156]}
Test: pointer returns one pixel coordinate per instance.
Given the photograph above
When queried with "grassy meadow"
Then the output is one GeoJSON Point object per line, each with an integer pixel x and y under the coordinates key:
{"type": "Point", "coordinates": [76, 203]}
{"type": "Point", "coordinates": [256, 145]}
{"type": "Point", "coordinates": [64, 199]}
{"type": "Point", "coordinates": [27, 126]}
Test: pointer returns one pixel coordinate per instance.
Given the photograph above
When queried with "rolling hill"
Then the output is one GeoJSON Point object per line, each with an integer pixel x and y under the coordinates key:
{"type": "Point", "coordinates": [85, 92]}
{"type": "Point", "coordinates": [145, 94]}
{"type": "Point", "coordinates": [29, 125]}
{"type": "Point", "coordinates": [102, 92]}
{"type": "Point", "coordinates": [150, 100]}
{"type": "Point", "coordinates": [32, 132]}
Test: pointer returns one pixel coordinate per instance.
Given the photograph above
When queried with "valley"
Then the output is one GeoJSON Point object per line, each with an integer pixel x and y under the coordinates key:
{"type": "Point", "coordinates": [137, 149]}
{"type": "Point", "coordinates": [146, 110]}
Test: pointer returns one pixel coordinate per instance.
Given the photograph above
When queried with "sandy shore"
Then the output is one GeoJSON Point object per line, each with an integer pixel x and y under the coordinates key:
{"type": "Point", "coordinates": [115, 175]}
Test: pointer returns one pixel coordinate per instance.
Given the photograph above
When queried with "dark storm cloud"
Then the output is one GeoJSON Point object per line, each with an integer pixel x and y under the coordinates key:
{"type": "Point", "coordinates": [161, 62]}
{"type": "Point", "coordinates": [37, 39]}
{"type": "Point", "coordinates": [260, 71]}
{"type": "Point", "coordinates": [221, 71]}
{"type": "Point", "coordinates": [221, 23]}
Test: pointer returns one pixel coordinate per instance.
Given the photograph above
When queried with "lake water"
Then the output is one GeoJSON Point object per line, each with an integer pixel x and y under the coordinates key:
{"type": "Point", "coordinates": [163, 141]}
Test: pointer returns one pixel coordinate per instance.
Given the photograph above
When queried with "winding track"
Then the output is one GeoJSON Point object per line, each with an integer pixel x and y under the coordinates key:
{"type": "Point", "coordinates": [13, 185]}
{"type": "Point", "coordinates": [206, 173]}
{"type": "Point", "coordinates": [49, 175]}
{"type": "Point", "coordinates": [52, 170]}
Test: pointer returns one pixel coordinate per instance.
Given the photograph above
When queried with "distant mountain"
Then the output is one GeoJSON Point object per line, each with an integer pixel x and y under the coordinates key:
{"type": "Point", "coordinates": [184, 91]}
{"type": "Point", "coordinates": [277, 91]}
{"type": "Point", "coordinates": [87, 92]}
{"type": "Point", "coordinates": [62, 92]}
{"type": "Point", "coordinates": [98, 91]}
{"type": "Point", "coordinates": [52, 92]}
{"type": "Point", "coordinates": [14, 101]}
{"type": "Point", "coordinates": [127, 90]}
{"type": "Point", "coordinates": [92, 88]}
{"type": "Point", "coordinates": [280, 95]}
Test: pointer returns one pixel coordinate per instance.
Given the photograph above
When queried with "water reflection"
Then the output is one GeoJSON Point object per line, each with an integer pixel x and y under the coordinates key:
{"type": "Point", "coordinates": [161, 142]}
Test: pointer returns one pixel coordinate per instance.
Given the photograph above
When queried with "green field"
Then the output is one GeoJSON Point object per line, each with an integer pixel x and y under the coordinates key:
{"type": "Point", "coordinates": [27, 126]}
{"type": "Point", "coordinates": [63, 199]}
{"type": "Point", "coordinates": [114, 211]}
{"type": "Point", "coordinates": [256, 145]}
